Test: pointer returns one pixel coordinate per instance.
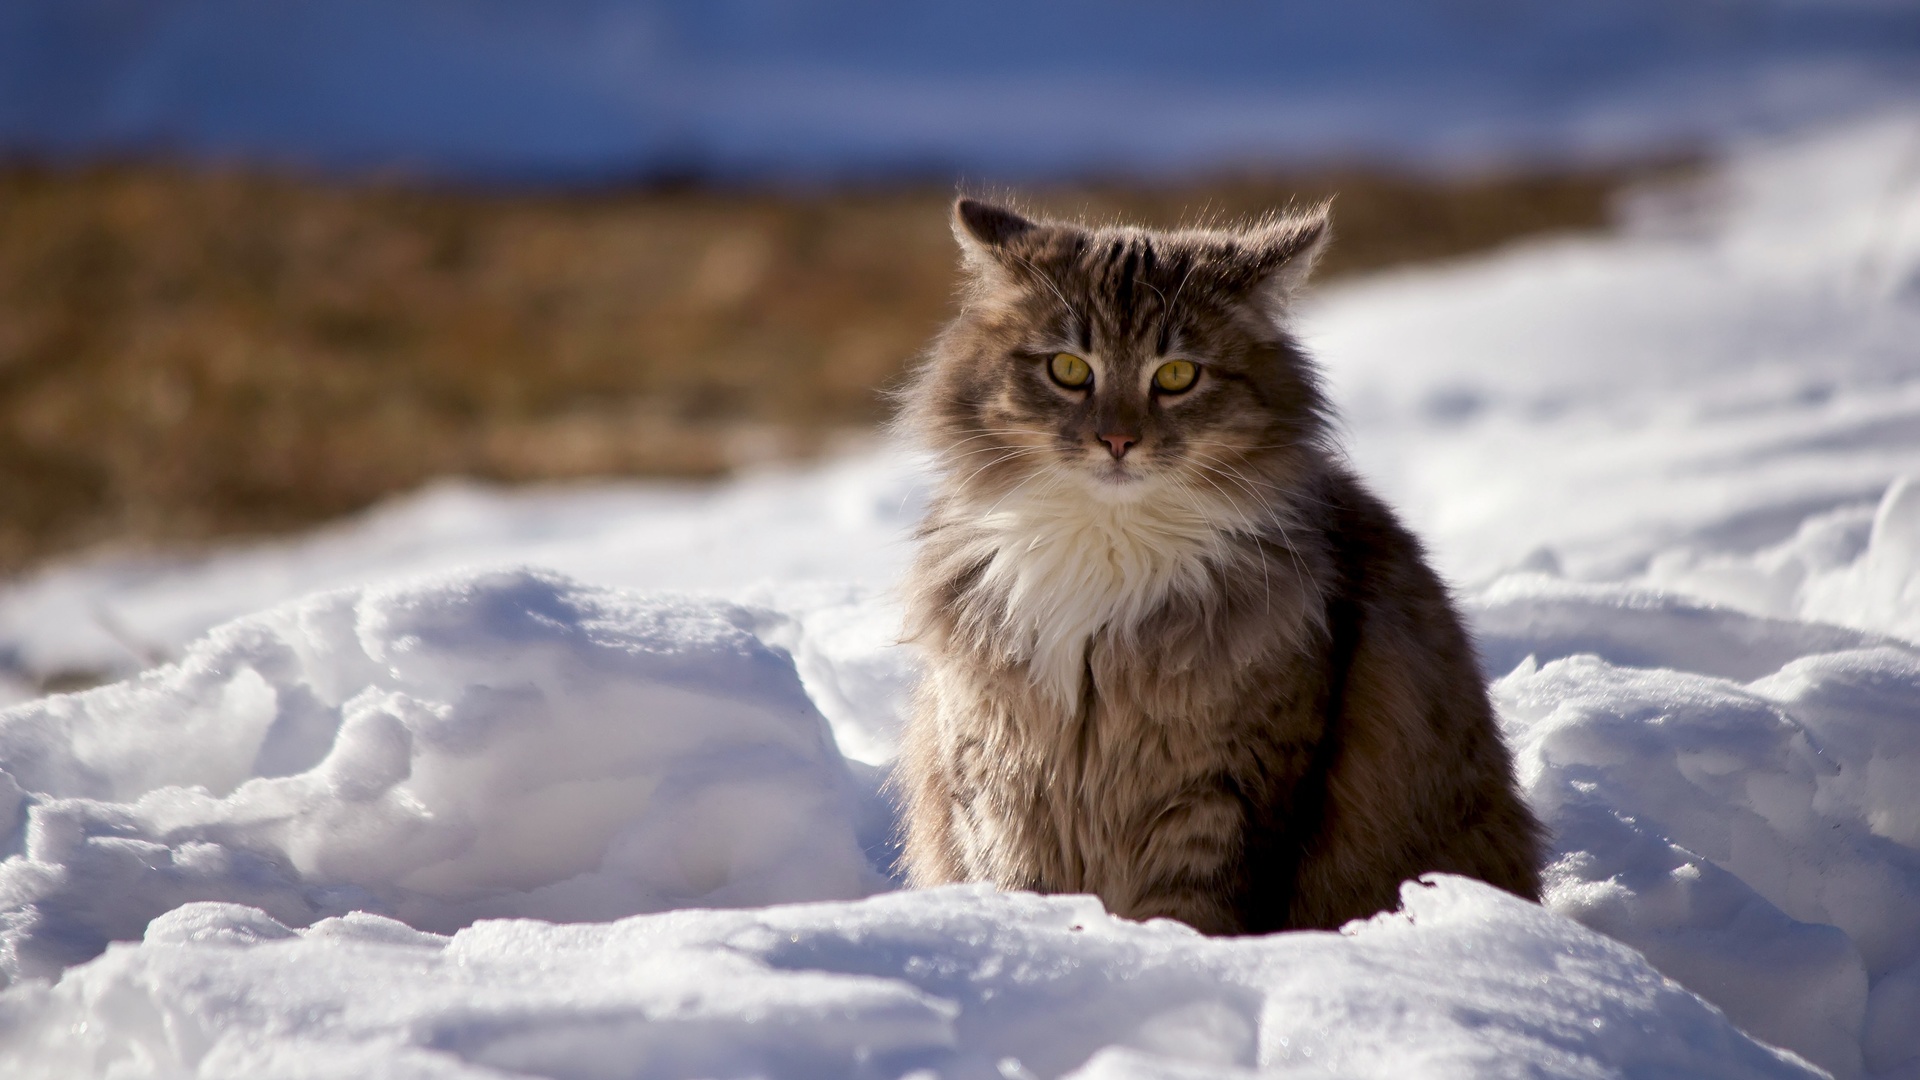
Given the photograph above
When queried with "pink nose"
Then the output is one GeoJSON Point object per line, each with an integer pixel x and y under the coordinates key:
{"type": "Point", "coordinates": [1117, 444]}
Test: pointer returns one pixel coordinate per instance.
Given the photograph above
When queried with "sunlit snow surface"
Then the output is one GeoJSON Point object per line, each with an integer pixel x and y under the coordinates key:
{"type": "Point", "coordinates": [1668, 471]}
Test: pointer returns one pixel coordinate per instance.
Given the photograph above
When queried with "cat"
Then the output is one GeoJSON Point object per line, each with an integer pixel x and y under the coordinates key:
{"type": "Point", "coordinates": [1176, 654]}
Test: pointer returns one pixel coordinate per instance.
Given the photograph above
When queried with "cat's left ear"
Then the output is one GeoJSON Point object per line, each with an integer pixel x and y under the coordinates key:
{"type": "Point", "coordinates": [1280, 254]}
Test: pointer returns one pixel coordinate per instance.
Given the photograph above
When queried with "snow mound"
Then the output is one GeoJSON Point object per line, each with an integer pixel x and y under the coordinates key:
{"type": "Point", "coordinates": [1547, 618]}
{"type": "Point", "coordinates": [509, 743]}
{"type": "Point", "coordinates": [1859, 566]}
{"type": "Point", "coordinates": [960, 982]}
{"type": "Point", "coordinates": [827, 539]}
{"type": "Point", "coordinates": [494, 744]}
{"type": "Point", "coordinates": [1758, 842]}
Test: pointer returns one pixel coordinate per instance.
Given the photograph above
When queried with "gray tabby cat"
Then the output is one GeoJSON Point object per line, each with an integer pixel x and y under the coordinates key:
{"type": "Point", "coordinates": [1177, 655]}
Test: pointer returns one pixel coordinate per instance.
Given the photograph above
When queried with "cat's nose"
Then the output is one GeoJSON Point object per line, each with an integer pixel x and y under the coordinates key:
{"type": "Point", "coordinates": [1117, 444]}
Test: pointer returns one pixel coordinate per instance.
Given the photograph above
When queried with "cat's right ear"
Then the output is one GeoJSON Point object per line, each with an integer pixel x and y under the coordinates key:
{"type": "Point", "coordinates": [984, 231]}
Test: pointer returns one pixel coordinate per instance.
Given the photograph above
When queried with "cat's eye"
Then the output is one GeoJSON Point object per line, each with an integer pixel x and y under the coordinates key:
{"type": "Point", "coordinates": [1176, 375]}
{"type": "Point", "coordinates": [1069, 371]}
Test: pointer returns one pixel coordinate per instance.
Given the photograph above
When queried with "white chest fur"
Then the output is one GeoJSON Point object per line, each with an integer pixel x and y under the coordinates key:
{"type": "Point", "coordinates": [1064, 566]}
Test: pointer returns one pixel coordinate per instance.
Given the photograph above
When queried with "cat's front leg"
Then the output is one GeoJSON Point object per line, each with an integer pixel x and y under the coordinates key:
{"type": "Point", "coordinates": [971, 799]}
{"type": "Point", "coordinates": [928, 789]}
{"type": "Point", "coordinates": [1189, 863]}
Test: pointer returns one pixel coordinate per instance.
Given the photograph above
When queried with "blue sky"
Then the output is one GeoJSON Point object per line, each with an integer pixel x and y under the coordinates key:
{"type": "Point", "coordinates": [591, 90]}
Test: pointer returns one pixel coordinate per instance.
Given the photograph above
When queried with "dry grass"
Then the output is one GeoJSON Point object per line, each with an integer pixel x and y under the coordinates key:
{"type": "Point", "coordinates": [187, 355]}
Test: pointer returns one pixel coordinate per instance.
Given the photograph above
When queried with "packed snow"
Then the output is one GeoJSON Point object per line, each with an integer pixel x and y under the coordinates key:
{"type": "Point", "coordinates": [959, 982]}
{"type": "Point", "coordinates": [590, 781]}
{"type": "Point", "coordinates": [495, 745]}
{"type": "Point", "coordinates": [592, 90]}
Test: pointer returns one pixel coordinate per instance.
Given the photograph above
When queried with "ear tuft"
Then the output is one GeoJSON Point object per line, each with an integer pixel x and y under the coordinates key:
{"type": "Point", "coordinates": [987, 224]}
{"type": "Point", "coordinates": [1284, 251]}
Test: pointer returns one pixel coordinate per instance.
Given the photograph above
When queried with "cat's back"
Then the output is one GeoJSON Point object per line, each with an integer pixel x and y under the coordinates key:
{"type": "Point", "coordinates": [1382, 575]}
{"type": "Point", "coordinates": [1414, 777]}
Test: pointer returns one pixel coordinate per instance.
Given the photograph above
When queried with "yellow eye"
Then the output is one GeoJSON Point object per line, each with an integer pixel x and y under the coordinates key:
{"type": "Point", "coordinates": [1176, 375]}
{"type": "Point", "coordinates": [1069, 371]}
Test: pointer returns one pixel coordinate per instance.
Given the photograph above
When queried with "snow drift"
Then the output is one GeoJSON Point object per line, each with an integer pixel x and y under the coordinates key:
{"type": "Point", "coordinates": [1464, 982]}
{"type": "Point", "coordinates": [509, 743]}
{"type": "Point", "coordinates": [494, 745]}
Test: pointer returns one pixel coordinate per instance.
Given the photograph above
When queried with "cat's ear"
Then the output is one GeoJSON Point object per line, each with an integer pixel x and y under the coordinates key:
{"type": "Point", "coordinates": [984, 231]}
{"type": "Point", "coordinates": [1280, 254]}
{"type": "Point", "coordinates": [985, 224]}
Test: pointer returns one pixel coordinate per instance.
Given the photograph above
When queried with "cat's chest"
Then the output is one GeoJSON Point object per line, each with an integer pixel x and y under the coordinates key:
{"type": "Point", "coordinates": [1061, 580]}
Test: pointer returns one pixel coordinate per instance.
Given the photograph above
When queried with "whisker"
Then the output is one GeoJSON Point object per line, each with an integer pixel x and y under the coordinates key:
{"type": "Point", "coordinates": [1242, 483]}
{"type": "Point", "coordinates": [1245, 481]}
{"type": "Point", "coordinates": [1266, 582]}
{"type": "Point", "coordinates": [1050, 473]}
{"type": "Point", "coordinates": [988, 433]}
{"type": "Point", "coordinates": [1009, 456]}
{"type": "Point", "coordinates": [998, 431]}
{"type": "Point", "coordinates": [995, 450]}
{"type": "Point", "coordinates": [1274, 519]}
{"type": "Point", "coordinates": [1288, 493]}
{"type": "Point", "coordinates": [1239, 446]}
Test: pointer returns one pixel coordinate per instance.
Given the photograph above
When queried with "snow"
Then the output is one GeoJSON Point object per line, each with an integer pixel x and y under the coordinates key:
{"type": "Point", "coordinates": [404, 805]}
{"type": "Point", "coordinates": [592, 90]}
{"type": "Point", "coordinates": [499, 744]}
{"type": "Point", "coordinates": [960, 980]}
{"type": "Point", "coordinates": [1738, 363]}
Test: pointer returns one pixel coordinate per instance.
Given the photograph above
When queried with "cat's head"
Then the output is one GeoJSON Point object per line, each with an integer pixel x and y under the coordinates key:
{"type": "Point", "coordinates": [1125, 364]}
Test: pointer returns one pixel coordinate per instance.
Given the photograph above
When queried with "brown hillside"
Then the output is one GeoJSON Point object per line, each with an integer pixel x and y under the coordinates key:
{"type": "Point", "coordinates": [186, 355]}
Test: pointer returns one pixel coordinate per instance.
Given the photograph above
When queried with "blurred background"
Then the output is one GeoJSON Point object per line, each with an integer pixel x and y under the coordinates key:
{"type": "Point", "coordinates": [265, 262]}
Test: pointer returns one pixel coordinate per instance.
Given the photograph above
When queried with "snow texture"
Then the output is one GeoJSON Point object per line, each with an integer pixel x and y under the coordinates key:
{"type": "Point", "coordinates": [592, 90]}
{"type": "Point", "coordinates": [502, 744]}
{"type": "Point", "coordinates": [961, 980]}
{"type": "Point", "coordinates": [1672, 471]}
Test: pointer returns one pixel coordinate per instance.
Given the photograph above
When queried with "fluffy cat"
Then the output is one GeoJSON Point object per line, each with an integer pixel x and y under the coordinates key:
{"type": "Point", "coordinates": [1177, 655]}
